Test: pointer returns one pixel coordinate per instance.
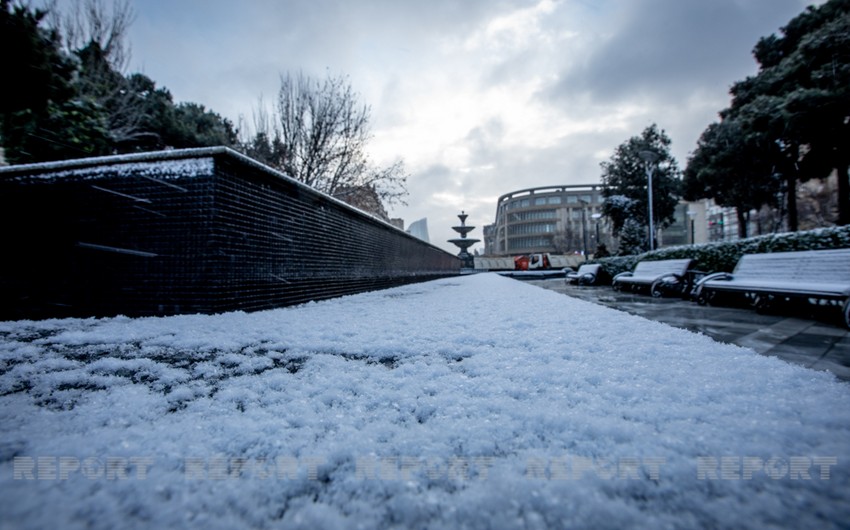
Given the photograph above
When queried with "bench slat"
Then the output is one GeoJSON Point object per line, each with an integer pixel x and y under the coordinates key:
{"type": "Point", "coordinates": [812, 272]}
{"type": "Point", "coordinates": [647, 272]}
{"type": "Point", "coordinates": [805, 266]}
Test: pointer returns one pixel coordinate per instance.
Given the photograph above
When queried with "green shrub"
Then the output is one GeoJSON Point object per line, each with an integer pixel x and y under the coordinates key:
{"type": "Point", "coordinates": [723, 256]}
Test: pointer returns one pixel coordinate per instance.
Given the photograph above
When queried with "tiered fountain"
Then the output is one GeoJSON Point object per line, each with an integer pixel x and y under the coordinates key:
{"type": "Point", "coordinates": [467, 261]}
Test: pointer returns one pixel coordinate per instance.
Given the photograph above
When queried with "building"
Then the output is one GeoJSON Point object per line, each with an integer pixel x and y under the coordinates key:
{"type": "Point", "coordinates": [556, 219]}
{"type": "Point", "coordinates": [365, 198]}
{"type": "Point", "coordinates": [568, 220]}
{"type": "Point", "coordinates": [419, 229]}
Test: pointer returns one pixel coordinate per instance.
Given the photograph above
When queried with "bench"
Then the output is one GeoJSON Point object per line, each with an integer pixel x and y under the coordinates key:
{"type": "Point", "coordinates": [819, 277]}
{"type": "Point", "coordinates": [659, 276]}
{"type": "Point", "coordinates": [586, 274]}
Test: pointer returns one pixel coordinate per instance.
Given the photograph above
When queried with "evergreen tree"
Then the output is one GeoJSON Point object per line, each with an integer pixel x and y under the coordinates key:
{"type": "Point", "coordinates": [632, 238]}
{"type": "Point", "coordinates": [42, 116]}
{"type": "Point", "coordinates": [195, 126]}
{"type": "Point", "coordinates": [792, 118]}
{"type": "Point", "coordinates": [33, 66]}
{"type": "Point", "coordinates": [734, 166]}
{"type": "Point", "coordinates": [625, 182]}
{"type": "Point", "coordinates": [74, 102]}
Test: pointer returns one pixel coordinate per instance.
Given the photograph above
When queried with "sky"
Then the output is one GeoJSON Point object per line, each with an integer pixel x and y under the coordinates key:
{"type": "Point", "coordinates": [478, 97]}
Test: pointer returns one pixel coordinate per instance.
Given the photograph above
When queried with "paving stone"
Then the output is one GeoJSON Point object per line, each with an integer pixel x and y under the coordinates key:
{"type": "Point", "coordinates": [808, 336]}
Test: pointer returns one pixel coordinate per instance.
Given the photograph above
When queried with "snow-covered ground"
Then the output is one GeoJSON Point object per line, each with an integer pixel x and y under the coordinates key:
{"type": "Point", "coordinates": [474, 402]}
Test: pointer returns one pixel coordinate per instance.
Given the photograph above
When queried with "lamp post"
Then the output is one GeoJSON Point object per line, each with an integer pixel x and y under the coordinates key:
{"type": "Point", "coordinates": [596, 217]}
{"type": "Point", "coordinates": [691, 215]}
{"type": "Point", "coordinates": [584, 226]}
{"type": "Point", "coordinates": [650, 157]}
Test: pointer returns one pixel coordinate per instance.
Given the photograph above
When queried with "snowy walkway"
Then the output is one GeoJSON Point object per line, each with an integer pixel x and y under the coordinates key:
{"type": "Point", "coordinates": [477, 401]}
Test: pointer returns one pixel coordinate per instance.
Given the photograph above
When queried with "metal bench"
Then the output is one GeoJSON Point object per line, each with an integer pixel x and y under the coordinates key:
{"type": "Point", "coordinates": [586, 274]}
{"type": "Point", "coordinates": [660, 276]}
{"type": "Point", "coordinates": [820, 277]}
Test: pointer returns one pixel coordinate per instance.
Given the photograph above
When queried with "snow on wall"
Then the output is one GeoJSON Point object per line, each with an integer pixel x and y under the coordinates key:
{"type": "Point", "coordinates": [186, 167]}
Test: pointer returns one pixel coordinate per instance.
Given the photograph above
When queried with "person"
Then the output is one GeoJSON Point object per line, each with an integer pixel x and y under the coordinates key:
{"type": "Point", "coordinates": [601, 251]}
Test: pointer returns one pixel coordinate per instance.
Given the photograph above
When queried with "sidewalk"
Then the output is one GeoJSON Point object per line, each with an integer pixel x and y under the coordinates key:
{"type": "Point", "coordinates": [820, 343]}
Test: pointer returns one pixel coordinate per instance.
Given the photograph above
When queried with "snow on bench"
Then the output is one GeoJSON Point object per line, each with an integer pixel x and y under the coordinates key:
{"type": "Point", "coordinates": [655, 274]}
{"type": "Point", "coordinates": [818, 276]}
{"type": "Point", "coordinates": [586, 274]}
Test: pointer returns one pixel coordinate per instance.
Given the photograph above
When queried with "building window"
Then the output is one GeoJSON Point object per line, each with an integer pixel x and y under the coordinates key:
{"type": "Point", "coordinates": [531, 228]}
{"type": "Point", "coordinates": [522, 243]}
{"type": "Point", "coordinates": [533, 215]}
{"type": "Point", "coordinates": [554, 200]}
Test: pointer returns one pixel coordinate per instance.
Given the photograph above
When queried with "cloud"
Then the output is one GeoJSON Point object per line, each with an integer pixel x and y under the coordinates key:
{"type": "Point", "coordinates": [479, 97]}
{"type": "Point", "coordinates": [661, 48]}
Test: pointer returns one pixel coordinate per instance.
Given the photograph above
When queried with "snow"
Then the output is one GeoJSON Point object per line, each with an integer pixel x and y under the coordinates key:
{"type": "Point", "coordinates": [145, 158]}
{"type": "Point", "coordinates": [123, 167]}
{"type": "Point", "coordinates": [812, 286]}
{"type": "Point", "coordinates": [474, 402]}
{"type": "Point", "coordinates": [161, 166]}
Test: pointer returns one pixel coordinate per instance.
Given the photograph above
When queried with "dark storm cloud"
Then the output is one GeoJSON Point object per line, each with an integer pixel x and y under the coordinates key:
{"type": "Point", "coordinates": [669, 47]}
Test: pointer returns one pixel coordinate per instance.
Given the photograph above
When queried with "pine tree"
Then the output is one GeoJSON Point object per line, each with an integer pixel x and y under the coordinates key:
{"type": "Point", "coordinates": [625, 182]}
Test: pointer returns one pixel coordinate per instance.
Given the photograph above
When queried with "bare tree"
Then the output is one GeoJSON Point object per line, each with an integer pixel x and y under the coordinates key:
{"type": "Point", "coordinates": [260, 138]}
{"type": "Point", "coordinates": [91, 21]}
{"type": "Point", "coordinates": [322, 137]}
{"type": "Point", "coordinates": [97, 35]}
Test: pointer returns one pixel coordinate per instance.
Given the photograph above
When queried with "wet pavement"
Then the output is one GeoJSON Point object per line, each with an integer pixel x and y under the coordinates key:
{"type": "Point", "coordinates": [816, 340]}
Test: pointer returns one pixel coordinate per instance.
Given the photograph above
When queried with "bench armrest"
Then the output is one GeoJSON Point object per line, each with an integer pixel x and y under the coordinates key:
{"type": "Point", "coordinates": [587, 278]}
{"type": "Point", "coordinates": [714, 276]}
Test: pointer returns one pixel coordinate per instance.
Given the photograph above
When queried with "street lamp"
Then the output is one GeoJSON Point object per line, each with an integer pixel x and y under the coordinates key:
{"type": "Point", "coordinates": [691, 215]}
{"type": "Point", "coordinates": [596, 217]}
{"type": "Point", "coordinates": [583, 226]}
{"type": "Point", "coordinates": [650, 157]}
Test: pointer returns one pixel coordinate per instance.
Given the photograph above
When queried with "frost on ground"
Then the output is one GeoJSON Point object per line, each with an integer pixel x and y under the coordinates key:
{"type": "Point", "coordinates": [475, 402]}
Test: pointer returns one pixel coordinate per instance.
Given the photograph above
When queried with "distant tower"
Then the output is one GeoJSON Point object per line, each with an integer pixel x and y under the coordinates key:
{"type": "Point", "coordinates": [467, 261]}
{"type": "Point", "coordinates": [419, 229]}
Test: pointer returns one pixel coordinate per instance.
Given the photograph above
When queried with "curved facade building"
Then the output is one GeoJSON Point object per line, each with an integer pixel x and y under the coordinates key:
{"type": "Point", "coordinates": [556, 219]}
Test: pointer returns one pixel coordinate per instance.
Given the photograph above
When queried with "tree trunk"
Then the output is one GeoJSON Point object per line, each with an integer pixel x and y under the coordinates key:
{"type": "Point", "coordinates": [743, 218]}
{"type": "Point", "coordinates": [791, 185]}
{"type": "Point", "coordinates": [843, 194]}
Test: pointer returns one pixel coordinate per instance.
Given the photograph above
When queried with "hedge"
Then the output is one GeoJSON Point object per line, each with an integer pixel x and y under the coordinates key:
{"type": "Point", "coordinates": [723, 256]}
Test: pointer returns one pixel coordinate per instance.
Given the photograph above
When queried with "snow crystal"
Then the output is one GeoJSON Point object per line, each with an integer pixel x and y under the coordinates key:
{"type": "Point", "coordinates": [477, 402]}
{"type": "Point", "coordinates": [161, 169]}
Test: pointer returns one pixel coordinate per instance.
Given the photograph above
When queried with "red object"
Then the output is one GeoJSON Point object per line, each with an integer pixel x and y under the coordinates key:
{"type": "Point", "coordinates": [534, 261]}
{"type": "Point", "coordinates": [521, 263]}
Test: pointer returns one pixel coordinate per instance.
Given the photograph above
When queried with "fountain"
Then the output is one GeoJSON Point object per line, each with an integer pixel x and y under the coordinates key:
{"type": "Point", "coordinates": [467, 261]}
